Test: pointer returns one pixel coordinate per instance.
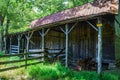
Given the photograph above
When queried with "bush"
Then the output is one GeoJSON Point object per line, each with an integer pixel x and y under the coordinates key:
{"type": "Point", "coordinates": [1, 53]}
{"type": "Point", "coordinates": [58, 72]}
{"type": "Point", "coordinates": [49, 72]}
{"type": "Point", "coordinates": [109, 76]}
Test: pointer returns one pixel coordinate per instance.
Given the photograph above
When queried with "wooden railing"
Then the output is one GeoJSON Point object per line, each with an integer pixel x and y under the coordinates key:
{"type": "Point", "coordinates": [47, 55]}
{"type": "Point", "coordinates": [23, 58]}
{"type": "Point", "coordinates": [14, 49]}
{"type": "Point", "coordinates": [52, 55]}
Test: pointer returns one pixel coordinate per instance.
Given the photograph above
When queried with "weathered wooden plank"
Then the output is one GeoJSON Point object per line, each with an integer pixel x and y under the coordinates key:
{"type": "Point", "coordinates": [16, 67]}
{"type": "Point", "coordinates": [14, 61]}
{"type": "Point", "coordinates": [99, 48]}
{"type": "Point", "coordinates": [14, 46]}
{"type": "Point", "coordinates": [11, 55]}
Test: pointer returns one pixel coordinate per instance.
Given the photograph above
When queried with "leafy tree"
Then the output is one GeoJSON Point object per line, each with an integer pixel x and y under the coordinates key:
{"type": "Point", "coordinates": [16, 15]}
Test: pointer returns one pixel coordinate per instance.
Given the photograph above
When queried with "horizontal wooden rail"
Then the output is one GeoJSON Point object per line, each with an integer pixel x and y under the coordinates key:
{"type": "Point", "coordinates": [54, 49]}
{"type": "Point", "coordinates": [15, 67]}
{"type": "Point", "coordinates": [10, 55]}
{"type": "Point", "coordinates": [25, 60]}
{"type": "Point", "coordinates": [14, 61]}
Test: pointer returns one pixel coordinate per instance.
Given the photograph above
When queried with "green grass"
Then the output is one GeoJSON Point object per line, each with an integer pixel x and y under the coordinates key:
{"type": "Point", "coordinates": [49, 72]}
{"type": "Point", "coordinates": [58, 72]}
{"type": "Point", "coordinates": [15, 74]}
{"type": "Point", "coordinates": [1, 53]}
{"type": "Point", "coordinates": [54, 71]}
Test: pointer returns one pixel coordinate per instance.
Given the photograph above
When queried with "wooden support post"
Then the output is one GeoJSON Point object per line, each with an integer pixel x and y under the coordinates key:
{"type": "Point", "coordinates": [43, 33]}
{"type": "Point", "coordinates": [27, 45]}
{"type": "Point", "coordinates": [19, 38]}
{"type": "Point", "coordinates": [99, 46]}
{"type": "Point", "coordinates": [67, 43]}
{"type": "Point", "coordinates": [66, 32]}
{"type": "Point", "coordinates": [43, 39]}
{"type": "Point", "coordinates": [25, 56]}
{"type": "Point", "coordinates": [5, 47]}
{"type": "Point", "coordinates": [10, 43]}
{"type": "Point", "coordinates": [28, 36]}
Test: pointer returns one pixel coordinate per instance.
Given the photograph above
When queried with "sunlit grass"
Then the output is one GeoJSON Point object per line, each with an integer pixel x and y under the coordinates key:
{"type": "Point", "coordinates": [47, 71]}
{"type": "Point", "coordinates": [15, 74]}
{"type": "Point", "coordinates": [58, 72]}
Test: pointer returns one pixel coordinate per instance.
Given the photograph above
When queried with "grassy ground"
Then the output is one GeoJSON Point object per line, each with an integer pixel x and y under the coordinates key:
{"type": "Point", "coordinates": [115, 72]}
{"type": "Point", "coordinates": [16, 74]}
{"type": "Point", "coordinates": [52, 72]}
{"type": "Point", "coordinates": [58, 72]}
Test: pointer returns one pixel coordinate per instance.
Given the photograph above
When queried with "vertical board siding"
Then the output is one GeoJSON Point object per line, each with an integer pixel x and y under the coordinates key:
{"type": "Point", "coordinates": [82, 41]}
{"type": "Point", "coordinates": [108, 43]}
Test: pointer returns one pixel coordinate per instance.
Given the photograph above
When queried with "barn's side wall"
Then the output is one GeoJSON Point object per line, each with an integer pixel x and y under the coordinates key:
{"type": "Point", "coordinates": [117, 33]}
{"type": "Point", "coordinates": [82, 41]}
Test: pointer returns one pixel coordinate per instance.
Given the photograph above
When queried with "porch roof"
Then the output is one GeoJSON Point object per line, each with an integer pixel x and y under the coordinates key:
{"type": "Point", "coordinates": [86, 11]}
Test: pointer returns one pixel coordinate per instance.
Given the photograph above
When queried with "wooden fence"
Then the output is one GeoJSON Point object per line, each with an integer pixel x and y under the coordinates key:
{"type": "Point", "coordinates": [24, 57]}
{"type": "Point", "coordinates": [14, 49]}
{"type": "Point", "coordinates": [49, 55]}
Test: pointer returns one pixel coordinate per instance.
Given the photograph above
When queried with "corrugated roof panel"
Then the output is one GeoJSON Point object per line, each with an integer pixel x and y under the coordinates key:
{"type": "Point", "coordinates": [95, 8]}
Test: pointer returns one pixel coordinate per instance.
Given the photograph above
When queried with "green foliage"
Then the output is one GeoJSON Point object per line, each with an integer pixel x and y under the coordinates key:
{"type": "Point", "coordinates": [22, 12]}
{"type": "Point", "coordinates": [49, 72]}
{"type": "Point", "coordinates": [108, 76]}
{"type": "Point", "coordinates": [14, 58]}
{"type": "Point", "coordinates": [58, 72]}
{"type": "Point", "coordinates": [2, 53]}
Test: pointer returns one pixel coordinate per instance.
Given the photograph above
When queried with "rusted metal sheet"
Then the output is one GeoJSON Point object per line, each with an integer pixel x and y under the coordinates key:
{"type": "Point", "coordinates": [89, 10]}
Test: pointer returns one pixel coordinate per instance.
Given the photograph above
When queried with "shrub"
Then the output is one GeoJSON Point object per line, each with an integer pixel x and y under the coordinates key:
{"type": "Point", "coordinates": [58, 72]}
{"type": "Point", "coordinates": [109, 76]}
{"type": "Point", "coordinates": [1, 53]}
{"type": "Point", "coordinates": [49, 72]}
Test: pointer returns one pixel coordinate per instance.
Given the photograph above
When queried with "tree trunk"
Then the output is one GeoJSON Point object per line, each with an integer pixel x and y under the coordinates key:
{"type": "Point", "coordinates": [0, 41]}
{"type": "Point", "coordinates": [6, 33]}
{"type": "Point", "coordinates": [1, 31]}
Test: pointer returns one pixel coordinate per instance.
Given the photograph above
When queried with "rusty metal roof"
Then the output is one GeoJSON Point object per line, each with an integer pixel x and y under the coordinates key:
{"type": "Point", "coordinates": [96, 8]}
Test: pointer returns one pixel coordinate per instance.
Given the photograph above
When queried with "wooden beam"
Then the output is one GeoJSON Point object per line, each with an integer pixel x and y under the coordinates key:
{"type": "Point", "coordinates": [92, 25]}
{"type": "Point", "coordinates": [43, 33]}
{"type": "Point", "coordinates": [19, 38]}
{"type": "Point", "coordinates": [99, 47]}
{"type": "Point", "coordinates": [28, 36]}
{"type": "Point", "coordinates": [43, 39]}
{"type": "Point", "coordinates": [47, 31]}
{"type": "Point", "coordinates": [67, 44]}
{"type": "Point", "coordinates": [66, 32]}
{"type": "Point", "coordinates": [5, 43]}
{"type": "Point", "coordinates": [63, 30]}
{"type": "Point", "coordinates": [10, 43]}
{"type": "Point", "coordinates": [73, 27]}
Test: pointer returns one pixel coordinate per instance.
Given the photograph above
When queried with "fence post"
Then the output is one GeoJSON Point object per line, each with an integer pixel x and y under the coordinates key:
{"type": "Point", "coordinates": [10, 43]}
{"type": "Point", "coordinates": [25, 57]}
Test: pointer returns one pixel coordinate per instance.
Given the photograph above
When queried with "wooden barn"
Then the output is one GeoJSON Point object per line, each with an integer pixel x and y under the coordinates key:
{"type": "Point", "coordinates": [84, 32]}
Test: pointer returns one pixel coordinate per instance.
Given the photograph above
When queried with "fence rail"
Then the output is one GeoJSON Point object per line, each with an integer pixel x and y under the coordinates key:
{"type": "Point", "coordinates": [25, 58]}
{"type": "Point", "coordinates": [50, 55]}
